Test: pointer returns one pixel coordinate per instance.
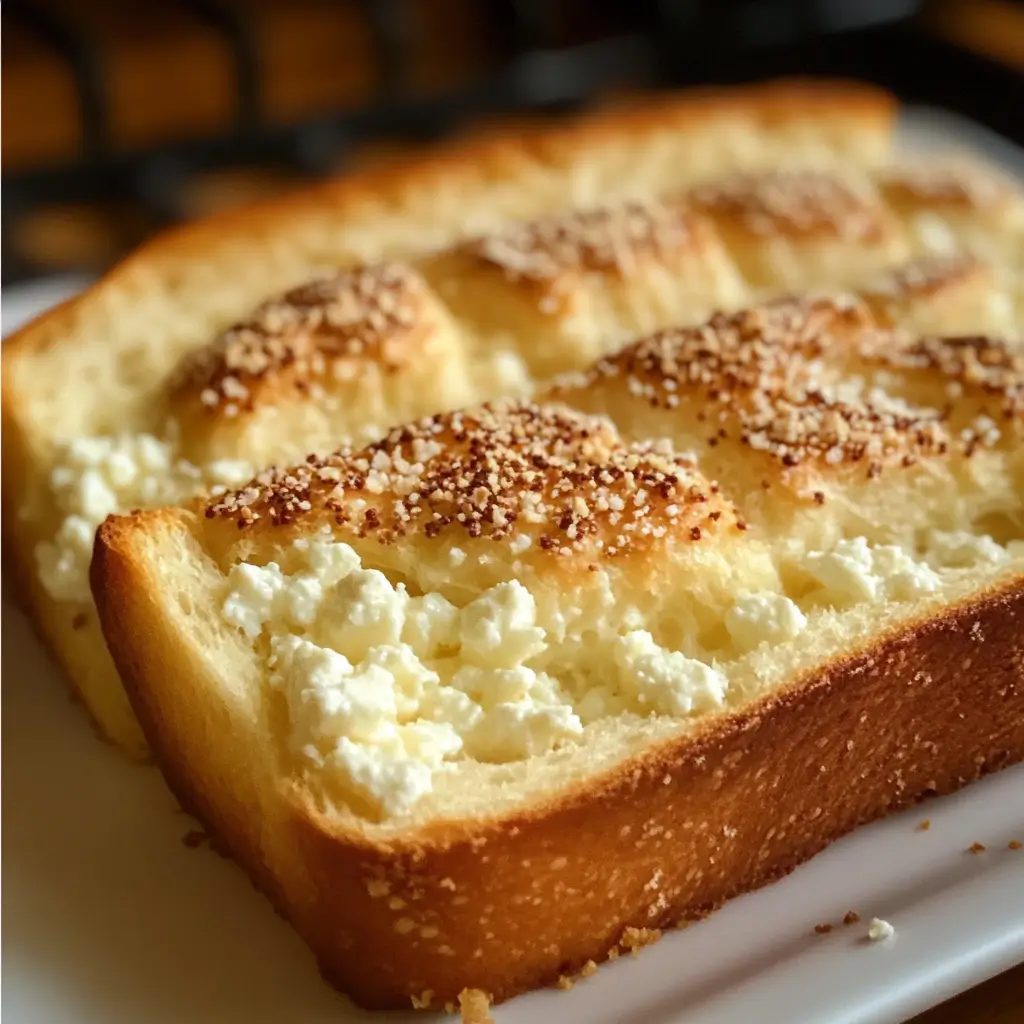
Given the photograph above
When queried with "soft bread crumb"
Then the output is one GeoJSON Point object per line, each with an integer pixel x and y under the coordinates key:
{"type": "Point", "coordinates": [566, 981]}
{"type": "Point", "coordinates": [475, 1006]}
{"type": "Point", "coordinates": [879, 930]}
{"type": "Point", "coordinates": [423, 1001]}
{"type": "Point", "coordinates": [634, 939]}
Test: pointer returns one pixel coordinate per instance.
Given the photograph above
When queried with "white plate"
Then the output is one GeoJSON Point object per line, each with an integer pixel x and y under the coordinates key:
{"type": "Point", "coordinates": [109, 917]}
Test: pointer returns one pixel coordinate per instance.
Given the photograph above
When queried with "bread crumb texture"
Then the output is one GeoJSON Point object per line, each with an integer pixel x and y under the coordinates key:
{"type": "Point", "coordinates": [475, 1007]}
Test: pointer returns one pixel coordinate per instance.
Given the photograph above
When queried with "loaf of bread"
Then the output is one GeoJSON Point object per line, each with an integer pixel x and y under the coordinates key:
{"type": "Point", "coordinates": [140, 392]}
{"type": "Point", "coordinates": [641, 624]}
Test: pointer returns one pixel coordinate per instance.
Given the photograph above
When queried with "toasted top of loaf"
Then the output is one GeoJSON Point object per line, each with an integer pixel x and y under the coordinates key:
{"type": "Point", "coordinates": [793, 203]}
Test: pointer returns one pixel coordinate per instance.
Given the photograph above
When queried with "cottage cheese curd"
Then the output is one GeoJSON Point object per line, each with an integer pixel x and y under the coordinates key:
{"type": "Point", "coordinates": [95, 477]}
{"type": "Point", "coordinates": [384, 689]}
{"type": "Point", "coordinates": [763, 618]}
{"type": "Point", "coordinates": [854, 571]}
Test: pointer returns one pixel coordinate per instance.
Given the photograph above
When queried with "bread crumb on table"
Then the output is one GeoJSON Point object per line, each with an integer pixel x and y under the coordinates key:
{"type": "Point", "coordinates": [634, 939]}
{"type": "Point", "coordinates": [1014, 844]}
{"type": "Point", "coordinates": [879, 930]}
{"type": "Point", "coordinates": [851, 917]}
{"type": "Point", "coordinates": [925, 825]}
{"type": "Point", "coordinates": [423, 1001]}
{"type": "Point", "coordinates": [566, 981]}
{"type": "Point", "coordinates": [475, 1006]}
{"type": "Point", "coordinates": [822, 929]}
{"type": "Point", "coordinates": [976, 848]}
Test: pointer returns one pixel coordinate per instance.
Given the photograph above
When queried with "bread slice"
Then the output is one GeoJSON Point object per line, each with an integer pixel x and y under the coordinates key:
{"type": "Point", "coordinates": [519, 686]}
{"type": "Point", "coordinates": [141, 392]}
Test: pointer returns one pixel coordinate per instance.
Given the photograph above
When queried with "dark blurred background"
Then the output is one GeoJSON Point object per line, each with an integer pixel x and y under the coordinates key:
{"type": "Point", "coordinates": [121, 116]}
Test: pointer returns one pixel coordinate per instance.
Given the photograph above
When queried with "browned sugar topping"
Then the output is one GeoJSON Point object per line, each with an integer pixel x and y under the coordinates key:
{"type": "Point", "coordinates": [314, 330]}
{"type": "Point", "coordinates": [805, 425]}
{"type": "Point", "coordinates": [751, 350]}
{"type": "Point", "coordinates": [756, 375]}
{"type": "Point", "coordinates": [921, 279]}
{"type": "Point", "coordinates": [976, 363]}
{"type": "Point", "coordinates": [506, 470]}
{"type": "Point", "coordinates": [607, 240]}
{"type": "Point", "coordinates": [945, 183]}
{"type": "Point", "coordinates": [792, 203]}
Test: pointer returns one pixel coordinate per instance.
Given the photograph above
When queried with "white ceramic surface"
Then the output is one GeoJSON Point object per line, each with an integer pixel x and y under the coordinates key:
{"type": "Point", "coordinates": [108, 917]}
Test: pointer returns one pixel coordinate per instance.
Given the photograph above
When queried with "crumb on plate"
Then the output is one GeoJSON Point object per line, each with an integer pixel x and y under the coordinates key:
{"type": "Point", "coordinates": [423, 1001]}
{"type": "Point", "coordinates": [475, 1006]}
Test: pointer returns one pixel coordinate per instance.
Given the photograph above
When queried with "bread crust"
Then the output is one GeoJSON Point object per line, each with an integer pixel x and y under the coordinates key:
{"type": "Point", "coordinates": [165, 271]}
{"type": "Point", "coordinates": [510, 904]}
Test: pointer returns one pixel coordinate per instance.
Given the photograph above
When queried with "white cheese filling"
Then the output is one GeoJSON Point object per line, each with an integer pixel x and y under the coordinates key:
{"type": "Point", "coordinates": [384, 689]}
{"type": "Point", "coordinates": [95, 477]}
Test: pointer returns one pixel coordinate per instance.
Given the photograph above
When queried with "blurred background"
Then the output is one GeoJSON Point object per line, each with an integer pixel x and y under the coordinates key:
{"type": "Point", "coordinates": [123, 116]}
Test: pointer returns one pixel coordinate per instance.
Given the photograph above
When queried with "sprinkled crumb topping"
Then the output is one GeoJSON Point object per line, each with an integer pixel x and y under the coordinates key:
{"type": "Point", "coordinates": [504, 470]}
{"type": "Point", "coordinates": [610, 239]}
{"type": "Point", "coordinates": [756, 376]}
{"type": "Point", "coordinates": [945, 182]}
{"type": "Point", "coordinates": [976, 362]}
{"type": "Point", "coordinates": [758, 349]}
{"type": "Point", "coordinates": [923, 278]}
{"type": "Point", "coordinates": [314, 330]}
{"type": "Point", "coordinates": [792, 203]}
{"type": "Point", "coordinates": [813, 425]}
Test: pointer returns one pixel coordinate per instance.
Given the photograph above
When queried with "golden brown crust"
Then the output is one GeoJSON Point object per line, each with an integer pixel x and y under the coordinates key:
{"type": "Point", "coordinates": [945, 185]}
{"type": "Point", "coordinates": [498, 471]}
{"type": "Point", "coordinates": [469, 164]}
{"type": "Point", "coordinates": [793, 204]}
{"type": "Point", "coordinates": [605, 240]}
{"type": "Point", "coordinates": [977, 365]}
{"type": "Point", "coordinates": [320, 330]}
{"type": "Point", "coordinates": [755, 377]}
{"type": "Point", "coordinates": [513, 903]}
{"type": "Point", "coordinates": [923, 279]}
